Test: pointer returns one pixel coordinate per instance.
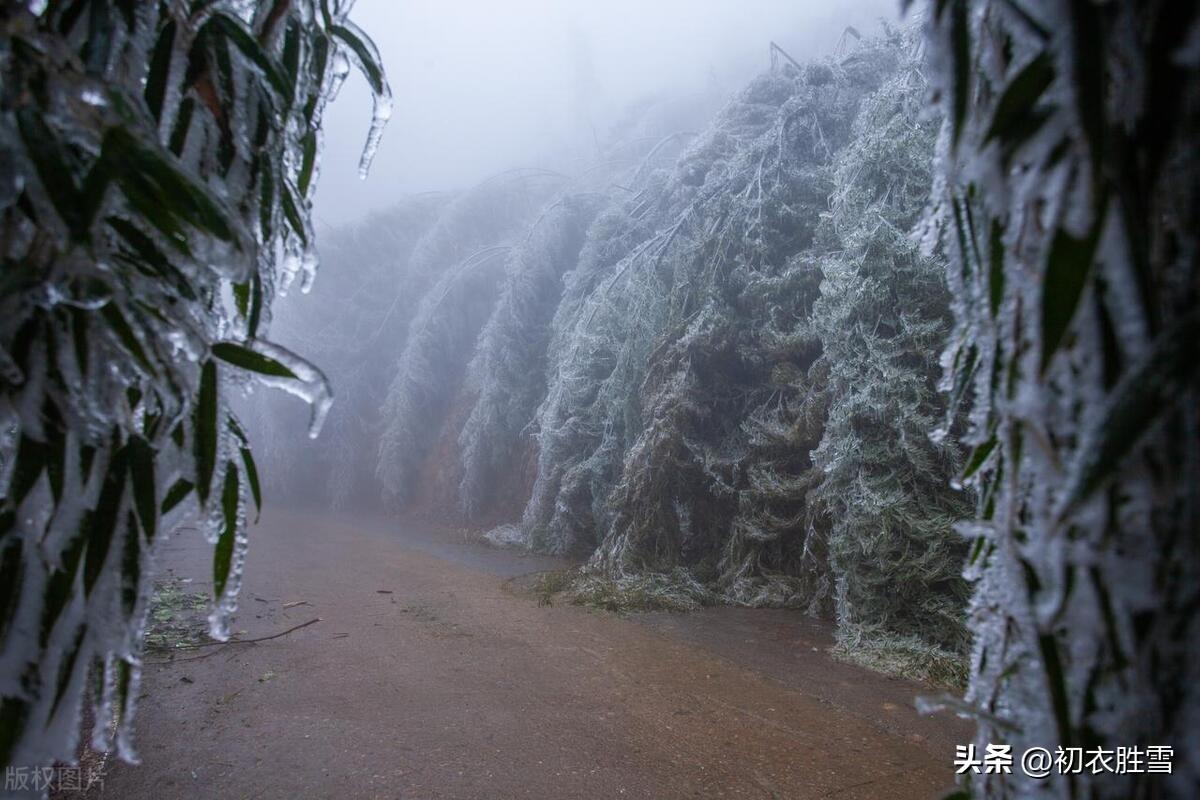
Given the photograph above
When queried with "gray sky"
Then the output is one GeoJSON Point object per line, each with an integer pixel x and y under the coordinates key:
{"type": "Point", "coordinates": [483, 85]}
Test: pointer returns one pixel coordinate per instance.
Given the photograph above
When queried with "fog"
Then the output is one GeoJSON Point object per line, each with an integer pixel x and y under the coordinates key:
{"type": "Point", "coordinates": [480, 86]}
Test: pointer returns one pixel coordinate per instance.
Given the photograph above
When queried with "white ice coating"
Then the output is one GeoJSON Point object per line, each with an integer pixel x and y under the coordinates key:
{"type": "Point", "coordinates": [128, 351]}
{"type": "Point", "coordinates": [309, 383]}
{"type": "Point", "coordinates": [1080, 621]}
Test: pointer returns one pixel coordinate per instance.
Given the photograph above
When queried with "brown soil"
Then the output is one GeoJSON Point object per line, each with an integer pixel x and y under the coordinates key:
{"type": "Point", "coordinates": [425, 678]}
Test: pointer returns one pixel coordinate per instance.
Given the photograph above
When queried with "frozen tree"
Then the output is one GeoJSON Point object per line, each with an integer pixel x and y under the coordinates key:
{"type": "Point", "coordinates": [457, 415]}
{"type": "Point", "coordinates": [357, 313]}
{"type": "Point", "coordinates": [1067, 198]}
{"type": "Point", "coordinates": [884, 492]}
{"type": "Point", "coordinates": [156, 168]}
{"type": "Point", "coordinates": [710, 364]}
{"type": "Point", "coordinates": [461, 261]}
{"type": "Point", "coordinates": [674, 427]}
{"type": "Point", "coordinates": [508, 367]}
{"type": "Point", "coordinates": [719, 363]}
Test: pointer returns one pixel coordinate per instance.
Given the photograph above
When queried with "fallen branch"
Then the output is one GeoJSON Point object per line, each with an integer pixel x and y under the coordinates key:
{"type": "Point", "coordinates": [250, 641]}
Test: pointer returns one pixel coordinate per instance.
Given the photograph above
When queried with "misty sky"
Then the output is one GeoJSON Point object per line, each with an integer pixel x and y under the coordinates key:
{"type": "Point", "coordinates": [483, 85]}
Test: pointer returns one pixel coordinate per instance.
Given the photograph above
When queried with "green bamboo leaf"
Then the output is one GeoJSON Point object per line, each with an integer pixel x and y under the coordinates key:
{"type": "Point", "coordinates": [242, 356]}
{"type": "Point", "coordinates": [266, 201]}
{"type": "Point", "coordinates": [1067, 268]}
{"type": "Point", "coordinates": [87, 457]}
{"type": "Point", "coordinates": [53, 168]}
{"type": "Point", "coordinates": [1017, 103]}
{"type": "Point", "coordinates": [978, 457]}
{"type": "Point", "coordinates": [292, 213]}
{"type": "Point", "coordinates": [241, 298]}
{"type": "Point", "coordinates": [131, 566]}
{"type": "Point", "coordinates": [996, 267]}
{"type": "Point", "coordinates": [14, 713]}
{"type": "Point", "coordinates": [183, 124]}
{"type": "Point", "coordinates": [1111, 630]}
{"type": "Point", "coordinates": [1057, 681]}
{"type": "Point", "coordinates": [149, 258]}
{"type": "Point", "coordinates": [291, 57]}
{"type": "Point", "coordinates": [1089, 73]}
{"type": "Point", "coordinates": [252, 479]}
{"type": "Point", "coordinates": [56, 463]}
{"type": "Point", "coordinates": [960, 33]}
{"type": "Point", "coordinates": [205, 430]}
{"type": "Point", "coordinates": [66, 669]}
{"type": "Point", "coordinates": [126, 337]}
{"type": "Point", "coordinates": [102, 520]}
{"type": "Point", "coordinates": [244, 40]}
{"type": "Point", "coordinates": [235, 428]}
{"type": "Point", "coordinates": [256, 302]}
{"type": "Point", "coordinates": [308, 163]}
{"type": "Point", "coordinates": [151, 176]}
{"type": "Point", "coordinates": [317, 66]}
{"type": "Point", "coordinates": [366, 53]}
{"type": "Point", "coordinates": [160, 69]}
{"type": "Point", "coordinates": [124, 681]}
{"type": "Point", "coordinates": [223, 554]}
{"type": "Point", "coordinates": [12, 577]}
{"type": "Point", "coordinates": [176, 494]}
{"type": "Point", "coordinates": [31, 460]}
{"type": "Point", "coordinates": [61, 585]}
{"type": "Point", "coordinates": [145, 494]}
{"type": "Point", "coordinates": [1149, 391]}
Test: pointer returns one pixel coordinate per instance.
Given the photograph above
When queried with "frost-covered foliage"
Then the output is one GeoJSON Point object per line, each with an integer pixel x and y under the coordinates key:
{"type": "Point", "coordinates": [359, 308]}
{"type": "Point", "coordinates": [668, 346]}
{"type": "Point", "coordinates": [155, 170]}
{"type": "Point", "coordinates": [507, 371]}
{"type": "Point", "coordinates": [882, 320]}
{"type": "Point", "coordinates": [461, 260]}
{"type": "Point", "coordinates": [688, 390]}
{"type": "Point", "coordinates": [1068, 200]}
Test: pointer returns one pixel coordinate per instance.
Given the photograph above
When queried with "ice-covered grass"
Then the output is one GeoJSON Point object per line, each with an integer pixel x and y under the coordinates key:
{"type": "Point", "coordinates": [902, 657]}
{"type": "Point", "coordinates": [677, 590]}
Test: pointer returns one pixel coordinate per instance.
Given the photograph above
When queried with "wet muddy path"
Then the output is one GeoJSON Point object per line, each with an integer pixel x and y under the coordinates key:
{"type": "Point", "coordinates": [427, 678]}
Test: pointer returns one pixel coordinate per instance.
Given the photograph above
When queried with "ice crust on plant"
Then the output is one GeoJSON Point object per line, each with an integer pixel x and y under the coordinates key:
{"type": "Point", "coordinates": [677, 363]}
{"type": "Point", "coordinates": [157, 169]}
{"type": "Point", "coordinates": [1066, 198]}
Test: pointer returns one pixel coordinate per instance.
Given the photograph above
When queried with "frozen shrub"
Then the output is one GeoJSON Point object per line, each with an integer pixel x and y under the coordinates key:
{"type": "Point", "coordinates": [507, 369]}
{"type": "Point", "coordinates": [884, 490]}
{"type": "Point", "coordinates": [357, 312]}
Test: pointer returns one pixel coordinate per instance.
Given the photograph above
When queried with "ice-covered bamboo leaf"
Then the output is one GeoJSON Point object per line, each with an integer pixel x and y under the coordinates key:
{"type": "Point", "coordinates": [145, 492]}
{"type": "Point", "coordinates": [246, 358]}
{"type": "Point", "coordinates": [1149, 392]}
{"type": "Point", "coordinates": [204, 430]}
{"type": "Point", "coordinates": [223, 553]}
{"type": "Point", "coordinates": [1068, 265]}
{"type": "Point", "coordinates": [245, 42]}
{"type": "Point", "coordinates": [252, 479]}
{"type": "Point", "coordinates": [176, 495]}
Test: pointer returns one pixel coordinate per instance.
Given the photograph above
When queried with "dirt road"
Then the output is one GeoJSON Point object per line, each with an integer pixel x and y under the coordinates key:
{"type": "Point", "coordinates": [426, 678]}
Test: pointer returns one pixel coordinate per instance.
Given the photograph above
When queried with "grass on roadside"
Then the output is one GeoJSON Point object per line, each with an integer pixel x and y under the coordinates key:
{"type": "Point", "coordinates": [177, 616]}
{"type": "Point", "coordinates": [673, 591]}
